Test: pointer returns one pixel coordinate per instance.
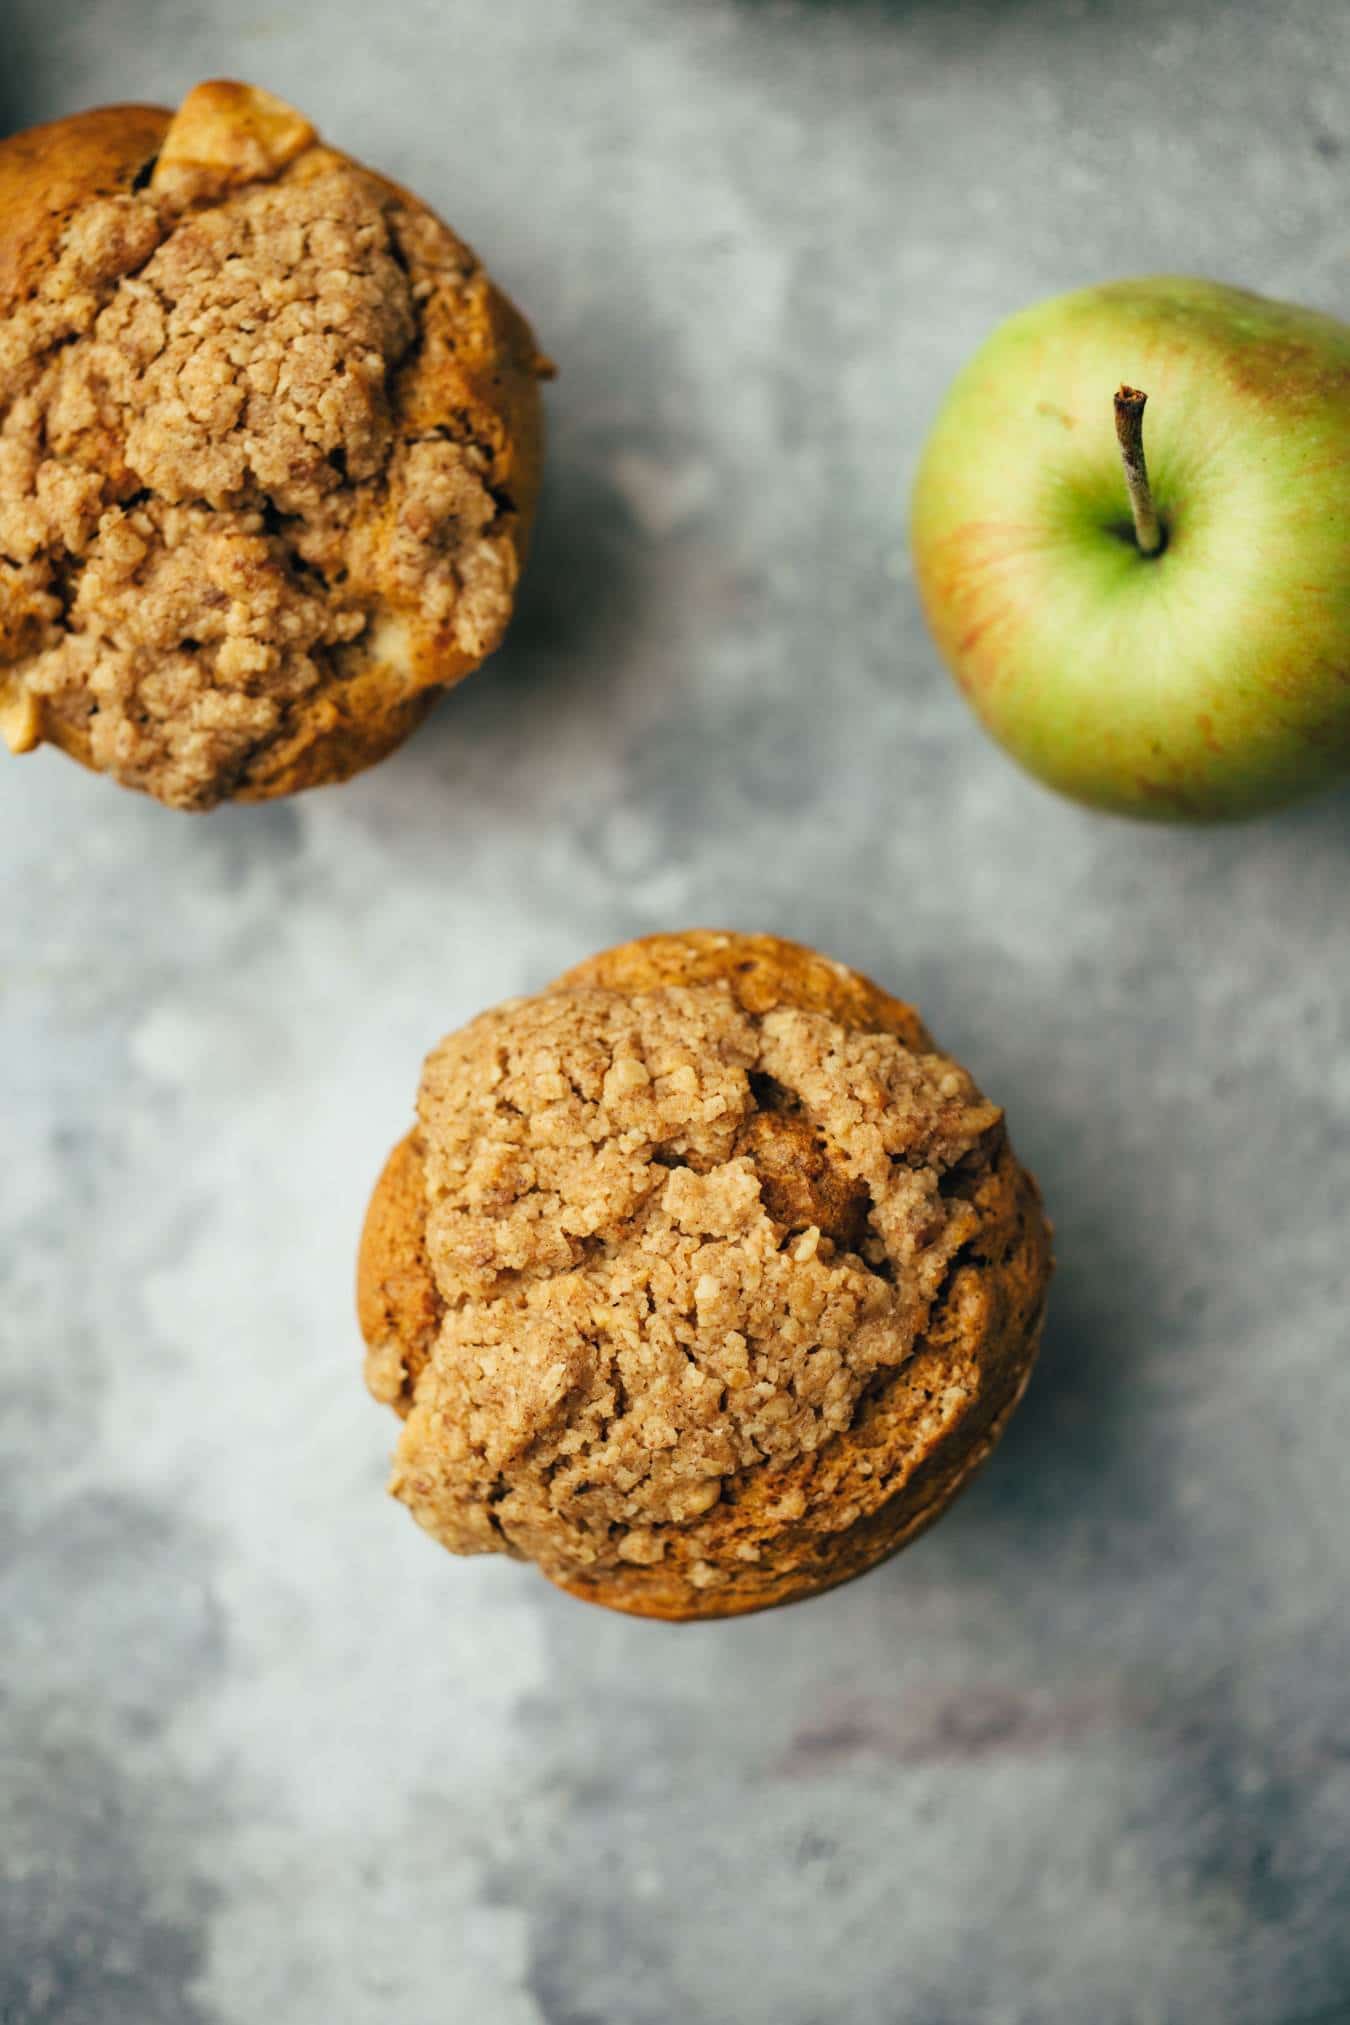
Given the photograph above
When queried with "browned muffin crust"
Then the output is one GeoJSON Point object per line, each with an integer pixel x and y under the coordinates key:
{"type": "Point", "coordinates": [398, 1305]}
{"type": "Point", "coordinates": [269, 450]}
{"type": "Point", "coordinates": [704, 1281]}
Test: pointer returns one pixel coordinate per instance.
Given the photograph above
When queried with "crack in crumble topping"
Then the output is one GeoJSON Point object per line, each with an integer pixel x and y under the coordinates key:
{"type": "Point", "coordinates": [671, 1240]}
{"type": "Point", "coordinates": [211, 511]}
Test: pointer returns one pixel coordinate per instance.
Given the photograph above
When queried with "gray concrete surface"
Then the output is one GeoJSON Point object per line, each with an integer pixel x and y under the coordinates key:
{"type": "Point", "coordinates": [1083, 1754]}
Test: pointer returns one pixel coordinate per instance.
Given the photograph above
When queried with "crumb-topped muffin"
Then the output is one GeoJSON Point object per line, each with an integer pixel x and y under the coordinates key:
{"type": "Point", "coordinates": [269, 450]}
{"type": "Point", "coordinates": [703, 1280]}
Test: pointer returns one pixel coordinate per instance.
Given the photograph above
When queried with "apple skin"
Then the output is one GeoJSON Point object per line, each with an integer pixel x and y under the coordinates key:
{"type": "Point", "coordinates": [1211, 680]}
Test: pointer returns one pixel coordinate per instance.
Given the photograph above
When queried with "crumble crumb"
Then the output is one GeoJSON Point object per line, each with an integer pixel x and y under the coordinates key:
{"type": "Point", "coordinates": [671, 1239]}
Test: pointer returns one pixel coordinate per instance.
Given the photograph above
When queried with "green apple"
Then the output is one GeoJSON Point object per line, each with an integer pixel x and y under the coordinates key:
{"type": "Point", "coordinates": [1210, 677]}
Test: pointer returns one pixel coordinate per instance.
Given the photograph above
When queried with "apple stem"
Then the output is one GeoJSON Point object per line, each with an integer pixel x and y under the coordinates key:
{"type": "Point", "coordinates": [1130, 435]}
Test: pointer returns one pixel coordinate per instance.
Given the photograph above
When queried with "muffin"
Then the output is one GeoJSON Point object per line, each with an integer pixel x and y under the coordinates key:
{"type": "Point", "coordinates": [269, 450]}
{"type": "Point", "coordinates": [703, 1280]}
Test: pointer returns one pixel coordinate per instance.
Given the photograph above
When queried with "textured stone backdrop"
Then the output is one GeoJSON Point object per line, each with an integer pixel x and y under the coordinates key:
{"type": "Point", "coordinates": [1084, 1754]}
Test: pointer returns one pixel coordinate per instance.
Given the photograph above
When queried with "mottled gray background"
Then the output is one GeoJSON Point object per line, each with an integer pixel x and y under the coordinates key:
{"type": "Point", "coordinates": [1083, 1756]}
